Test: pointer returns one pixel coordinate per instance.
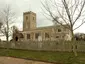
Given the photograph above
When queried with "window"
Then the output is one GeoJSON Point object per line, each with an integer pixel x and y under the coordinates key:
{"type": "Point", "coordinates": [28, 36]}
{"type": "Point", "coordinates": [59, 30]}
{"type": "Point", "coordinates": [36, 35]}
{"type": "Point", "coordinates": [33, 18]}
{"type": "Point", "coordinates": [46, 35]}
{"type": "Point", "coordinates": [26, 17]}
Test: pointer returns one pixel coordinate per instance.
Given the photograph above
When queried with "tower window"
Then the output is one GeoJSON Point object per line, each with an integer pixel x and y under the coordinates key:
{"type": "Point", "coordinates": [33, 18]}
{"type": "Point", "coordinates": [26, 18]}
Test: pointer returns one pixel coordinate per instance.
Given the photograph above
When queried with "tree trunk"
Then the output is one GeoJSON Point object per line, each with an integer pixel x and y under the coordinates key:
{"type": "Point", "coordinates": [7, 38]}
{"type": "Point", "coordinates": [73, 44]}
{"type": "Point", "coordinates": [7, 35]}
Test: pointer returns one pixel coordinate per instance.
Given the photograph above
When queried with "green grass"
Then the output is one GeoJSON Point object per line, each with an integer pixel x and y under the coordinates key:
{"type": "Point", "coordinates": [41, 55]}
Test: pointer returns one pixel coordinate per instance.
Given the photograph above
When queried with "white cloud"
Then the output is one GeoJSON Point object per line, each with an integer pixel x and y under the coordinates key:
{"type": "Point", "coordinates": [21, 6]}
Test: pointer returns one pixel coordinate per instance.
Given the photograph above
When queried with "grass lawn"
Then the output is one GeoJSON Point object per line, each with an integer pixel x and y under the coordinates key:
{"type": "Point", "coordinates": [42, 55]}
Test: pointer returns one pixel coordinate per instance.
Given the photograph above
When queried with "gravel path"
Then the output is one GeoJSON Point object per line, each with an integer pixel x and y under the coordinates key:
{"type": "Point", "coordinates": [10, 60]}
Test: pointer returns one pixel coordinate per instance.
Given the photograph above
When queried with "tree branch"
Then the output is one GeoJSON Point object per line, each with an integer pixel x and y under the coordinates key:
{"type": "Point", "coordinates": [79, 13]}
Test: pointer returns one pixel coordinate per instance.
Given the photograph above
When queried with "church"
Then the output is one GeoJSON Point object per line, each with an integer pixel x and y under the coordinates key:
{"type": "Point", "coordinates": [32, 33]}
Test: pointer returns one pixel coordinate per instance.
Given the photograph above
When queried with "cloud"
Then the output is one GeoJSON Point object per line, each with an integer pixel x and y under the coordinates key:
{"type": "Point", "coordinates": [20, 6]}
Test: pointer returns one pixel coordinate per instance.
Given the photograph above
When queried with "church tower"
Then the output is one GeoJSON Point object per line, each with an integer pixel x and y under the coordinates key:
{"type": "Point", "coordinates": [29, 21]}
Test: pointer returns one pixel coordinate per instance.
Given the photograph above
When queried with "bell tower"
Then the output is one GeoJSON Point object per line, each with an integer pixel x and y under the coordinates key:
{"type": "Point", "coordinates": [29, 21]}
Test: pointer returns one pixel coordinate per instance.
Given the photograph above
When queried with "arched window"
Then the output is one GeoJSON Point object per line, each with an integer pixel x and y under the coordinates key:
{"type": "Point", "coordinates": [59, 30]}
{"type": "Point", "coordinates": [46, 35]}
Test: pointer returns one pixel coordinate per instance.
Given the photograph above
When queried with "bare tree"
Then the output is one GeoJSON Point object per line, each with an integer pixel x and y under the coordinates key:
{"type": "Point", "coordinates": [7, 19]}
{"type": "Point", "coordinates": [69, 12]}
{"type": "Point", "coordinates": [14, 31]}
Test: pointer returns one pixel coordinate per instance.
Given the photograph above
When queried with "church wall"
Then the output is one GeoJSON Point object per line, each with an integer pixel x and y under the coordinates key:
{"type": "Point", "coordinates": [53, 34]}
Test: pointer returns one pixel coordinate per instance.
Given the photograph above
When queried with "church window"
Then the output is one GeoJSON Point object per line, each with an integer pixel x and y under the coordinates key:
{"type": "Point", "coordinates": [36, 35]}
{"type": "Point", "coordinates": [59, 30]}
{"type": "Point", "coordinates": [28, 36]}
{"type": "Point", "coordinates": [46, 35]}
{"type": "Point", "coordinates": [26, 17]}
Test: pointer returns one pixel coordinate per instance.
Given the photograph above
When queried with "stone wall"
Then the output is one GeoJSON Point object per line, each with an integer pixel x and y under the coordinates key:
{"type": "Point", "coordinates": [45, 45]}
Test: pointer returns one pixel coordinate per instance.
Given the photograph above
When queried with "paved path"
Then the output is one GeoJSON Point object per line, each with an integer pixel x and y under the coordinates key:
{"type": "Point", "coordinates": [10, 60]}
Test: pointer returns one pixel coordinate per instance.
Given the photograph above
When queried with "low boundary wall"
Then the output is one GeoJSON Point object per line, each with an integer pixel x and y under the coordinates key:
{"type": "Point", "coordinates": [45, 45]}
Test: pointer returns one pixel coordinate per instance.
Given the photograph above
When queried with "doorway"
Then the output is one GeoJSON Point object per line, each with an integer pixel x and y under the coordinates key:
{"type": "Point", "coordinates": [16, 38]}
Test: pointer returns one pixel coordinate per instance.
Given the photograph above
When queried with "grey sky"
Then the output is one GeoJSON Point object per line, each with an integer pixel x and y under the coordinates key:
{"type": "Point", "coordinates": [21, 6]}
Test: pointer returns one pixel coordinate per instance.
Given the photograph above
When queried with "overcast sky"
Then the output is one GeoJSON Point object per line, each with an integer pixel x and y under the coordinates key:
{"type": "Point", "coordinates": [21, 6]}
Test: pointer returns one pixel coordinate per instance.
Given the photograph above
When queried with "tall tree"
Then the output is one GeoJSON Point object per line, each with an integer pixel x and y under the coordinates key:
{"type": "Point", "coordinates": [8, 17]}
{"type": "Point", "coordinates": [69, 12]}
